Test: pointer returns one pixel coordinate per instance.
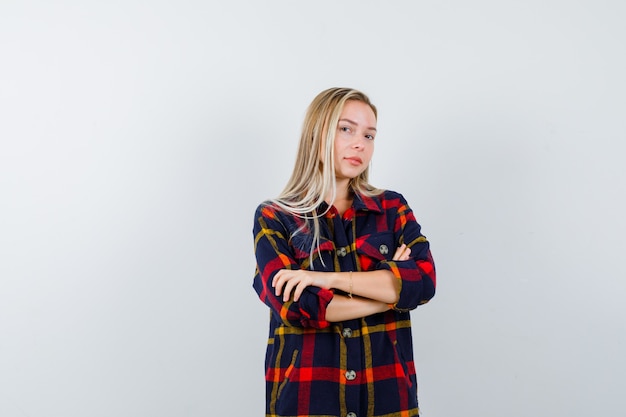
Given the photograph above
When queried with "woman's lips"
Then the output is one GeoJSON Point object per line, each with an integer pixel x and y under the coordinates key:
{"type": "Point", "coordinates": [354, 160]}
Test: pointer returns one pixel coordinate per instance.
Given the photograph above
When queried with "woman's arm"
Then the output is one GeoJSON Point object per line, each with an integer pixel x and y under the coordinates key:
{"type": "Point", "coordinates": [273, 253]}
{"type": "Point", "coordinates": [380, 285]}
{"type": "Point", "coordinates": [343, 308]}
{"type": "Point", "coordinates": [417, 275]}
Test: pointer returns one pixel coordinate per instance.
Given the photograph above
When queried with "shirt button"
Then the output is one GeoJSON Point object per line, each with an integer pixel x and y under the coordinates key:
{"type": "Point", "coordinates": [350, 375]}
{"type": "Point", "coordinates": [347, 332]}
{"type": "Point", "coordinates": [351, 414]}
{"type": "Point", "coordinates": [341, 252]}
{"type": "Point", "coordinates": [383, 249]}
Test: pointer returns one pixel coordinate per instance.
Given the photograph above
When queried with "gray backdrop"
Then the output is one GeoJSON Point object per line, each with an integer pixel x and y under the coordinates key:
{"type": "Point", "coordinates": [138, 137]}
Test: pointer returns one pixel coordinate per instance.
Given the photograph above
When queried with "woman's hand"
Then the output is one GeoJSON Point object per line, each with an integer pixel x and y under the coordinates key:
{"type": "Point", "coordinates": [402, 253]}
{"type": "Point", "coordinates": [287, 280]}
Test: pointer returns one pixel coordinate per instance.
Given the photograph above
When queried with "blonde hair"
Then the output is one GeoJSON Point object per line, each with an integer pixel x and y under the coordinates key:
{"type": "Point", "coordinates": [313, 176]}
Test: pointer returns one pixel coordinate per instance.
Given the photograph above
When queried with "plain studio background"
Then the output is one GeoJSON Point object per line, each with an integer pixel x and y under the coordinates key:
{"type": "Point", "coordinates": [138, 137]}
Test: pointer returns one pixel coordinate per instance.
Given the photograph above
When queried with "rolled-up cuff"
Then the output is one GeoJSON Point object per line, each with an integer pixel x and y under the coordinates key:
{"type": "Point", "coordinates": [410, 285]}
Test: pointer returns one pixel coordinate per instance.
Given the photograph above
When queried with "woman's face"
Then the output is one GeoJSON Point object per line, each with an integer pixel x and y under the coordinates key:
{"type": "Point", "coordinates": [354, 140]}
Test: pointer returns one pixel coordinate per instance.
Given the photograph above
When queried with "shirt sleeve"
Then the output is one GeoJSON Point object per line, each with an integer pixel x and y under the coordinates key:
{"type": "Point", "coordinates": [417, 275]}
{"type": "Point", "coordinates": [273, 252]}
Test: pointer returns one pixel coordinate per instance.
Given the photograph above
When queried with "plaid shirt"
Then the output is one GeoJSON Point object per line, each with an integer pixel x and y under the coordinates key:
{"type": "Point", "coordinates": [355, 368]}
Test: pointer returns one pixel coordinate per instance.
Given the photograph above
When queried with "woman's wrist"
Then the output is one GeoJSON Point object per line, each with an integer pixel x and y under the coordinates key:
{"type": "Point", "coordinates": [338, 281]}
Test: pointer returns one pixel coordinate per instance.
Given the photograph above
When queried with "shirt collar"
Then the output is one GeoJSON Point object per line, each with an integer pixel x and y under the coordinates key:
{"type": "Point", "coordinates": [366, 203]}
{"type": "Point", "coordinates": [361, 203]}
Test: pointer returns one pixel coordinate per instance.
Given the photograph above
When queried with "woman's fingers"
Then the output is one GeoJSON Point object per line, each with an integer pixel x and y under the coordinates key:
{"type": "Point", "coordinates": [281, 281]}
{"type": "Point", "coordinates": [287, 281]}
{"type": "Point", "coordinates": [298, 291]}
{"type": "Point", "coordinates": [288, 288]}
{"type": "Point", "coordinates": [402, 253]}
{"type": "Point", "coordinates": [398, 253]}
{"type": "Point", "coordinates": [276, 283]}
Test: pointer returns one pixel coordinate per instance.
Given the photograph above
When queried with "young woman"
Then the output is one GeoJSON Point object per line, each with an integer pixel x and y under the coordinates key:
{"type": "Point", "coordinates": [340, 264]}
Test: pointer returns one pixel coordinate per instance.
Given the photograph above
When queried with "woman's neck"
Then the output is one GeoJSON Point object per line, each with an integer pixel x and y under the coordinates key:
{"type": "Point", "coordinates": [343, 198]}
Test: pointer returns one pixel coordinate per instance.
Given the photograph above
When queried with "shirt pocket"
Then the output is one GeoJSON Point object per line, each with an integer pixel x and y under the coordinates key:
{"type": "Point", "coordinates": [374, 248]}
{"type": "Point", "coordinates": [287, 392]}
{"type": "Point", "coordinates": [399, 358]}
{"type": "Point", "coordinates": [288, 372]}
{"type": "Point", "coordinates": [303, 245]}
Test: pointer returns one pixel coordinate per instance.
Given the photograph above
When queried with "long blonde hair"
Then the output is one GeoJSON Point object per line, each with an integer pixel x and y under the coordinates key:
{"type": "Point", "coordinates": [313, 176]}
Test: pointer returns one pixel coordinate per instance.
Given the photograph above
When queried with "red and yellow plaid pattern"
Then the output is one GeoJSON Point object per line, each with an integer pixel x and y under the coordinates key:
{"type": "Point", "coordinates": [360, 367]}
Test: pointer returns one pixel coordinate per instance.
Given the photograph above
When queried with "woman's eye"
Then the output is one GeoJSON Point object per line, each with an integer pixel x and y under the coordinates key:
{"type": "Point", "coordinates": [344, 129]}
{"type": "Point", "coordinates": [370, 137]}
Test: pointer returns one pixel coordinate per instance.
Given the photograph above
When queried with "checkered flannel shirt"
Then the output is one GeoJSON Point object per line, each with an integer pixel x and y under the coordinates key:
{"type": "Point", "coordinates": [355, 368]}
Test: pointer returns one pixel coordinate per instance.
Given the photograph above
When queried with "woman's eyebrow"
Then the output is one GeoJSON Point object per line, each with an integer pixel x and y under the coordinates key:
{"type": "Point", "coordinates": [356, 124]}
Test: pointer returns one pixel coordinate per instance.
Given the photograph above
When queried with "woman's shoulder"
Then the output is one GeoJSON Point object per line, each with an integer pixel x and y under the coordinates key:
{"type": "Point", "coordinates": [390, 195]}
{"type": "Point", "coordinates": [271, 209]}
{"type": "Point", "coordinates": [267, 207]}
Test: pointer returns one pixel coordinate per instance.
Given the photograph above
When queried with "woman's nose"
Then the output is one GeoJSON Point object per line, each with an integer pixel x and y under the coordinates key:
{"type": "Point", "coordinates": [358, 143]}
